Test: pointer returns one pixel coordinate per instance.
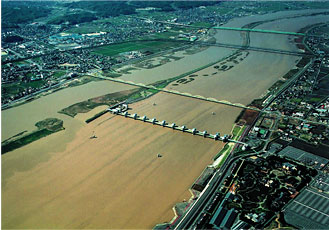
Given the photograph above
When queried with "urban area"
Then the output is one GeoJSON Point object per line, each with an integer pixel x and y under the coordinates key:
{"type": "Point", "coordinates": [113, 149]}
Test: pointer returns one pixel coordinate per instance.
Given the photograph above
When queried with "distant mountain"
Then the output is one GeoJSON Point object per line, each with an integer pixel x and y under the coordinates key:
{"type": "Point", "coordinates": [14, 12]}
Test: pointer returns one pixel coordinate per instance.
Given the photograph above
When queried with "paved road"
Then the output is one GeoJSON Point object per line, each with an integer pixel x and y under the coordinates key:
{"type": "Point", "coordinates": [286, 85]}
{"type": "Point", "coordinates": [30, 96]}
{"type": "Point", "coordinates": [190, 217]}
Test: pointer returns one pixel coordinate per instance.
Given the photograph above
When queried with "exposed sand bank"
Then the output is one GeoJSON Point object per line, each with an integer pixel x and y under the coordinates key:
{"type": "Point", "coordinates": [68, 180]}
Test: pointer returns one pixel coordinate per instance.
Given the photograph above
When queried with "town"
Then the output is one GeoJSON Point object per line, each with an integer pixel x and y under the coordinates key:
{"type": "Point", "coordinates": [134, 99]}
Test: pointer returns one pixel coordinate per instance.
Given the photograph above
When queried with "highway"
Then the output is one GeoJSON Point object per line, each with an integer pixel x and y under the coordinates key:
{"type": "Point", "coordinates": [240, 47]}
{"type": "Point", "coordinates": [187, 221]}
{"type": "Point", "coordinates": [286, 85]}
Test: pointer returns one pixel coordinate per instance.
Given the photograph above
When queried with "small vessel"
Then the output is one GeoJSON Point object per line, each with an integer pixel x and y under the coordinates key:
{"type": "Point", "coordinates": [93, 135]}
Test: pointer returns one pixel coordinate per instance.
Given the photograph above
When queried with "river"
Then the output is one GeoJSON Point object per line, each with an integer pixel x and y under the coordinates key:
{"type": "Point", "coordinates": [67, 180]}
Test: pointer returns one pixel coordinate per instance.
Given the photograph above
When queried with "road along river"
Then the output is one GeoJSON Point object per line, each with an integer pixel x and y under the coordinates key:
{"type": "Point", "coordinates": [67, 180]}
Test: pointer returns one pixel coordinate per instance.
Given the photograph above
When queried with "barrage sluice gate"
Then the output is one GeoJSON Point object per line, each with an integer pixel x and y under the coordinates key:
{"type": "Point", "coordinates": [122, 110]}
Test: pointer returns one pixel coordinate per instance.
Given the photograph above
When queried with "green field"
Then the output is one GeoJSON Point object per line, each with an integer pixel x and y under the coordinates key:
{"type": "Point", "coordinates": [58, 74]}
{"type": "Point", "coordinates": [202, 24]}
{"type": "Point", "coordinates": [164, 35]}
{"type": "Point", "coordinates": [115, 49]}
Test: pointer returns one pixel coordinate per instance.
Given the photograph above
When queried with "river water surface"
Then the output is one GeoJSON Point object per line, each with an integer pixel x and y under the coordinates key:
{"type": "Point", "coordinates": [67, 180]}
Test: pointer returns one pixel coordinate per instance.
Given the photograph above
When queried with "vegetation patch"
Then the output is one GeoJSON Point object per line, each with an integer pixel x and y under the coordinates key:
{"type": "Point", "coordinates": [45, 128]}
{"type": "Point", "coordinates": [73, 19]}
{"type": "Point", "coordinates": [50, 124]}
{"type": "Point", "coordinates": [247, 116]}
{"type": "Point", "coordinates": [108, 99]}
{"type": "Point", "coordinates": [112, 74]}
{"type": "Point", "coordinates": [81, 81]}
{"type": "Point", "coordinates": [12, 89]}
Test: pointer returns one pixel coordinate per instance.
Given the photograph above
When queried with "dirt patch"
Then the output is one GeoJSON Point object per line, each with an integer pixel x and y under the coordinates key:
{"type": "Point", "coordinates": [247, 116]}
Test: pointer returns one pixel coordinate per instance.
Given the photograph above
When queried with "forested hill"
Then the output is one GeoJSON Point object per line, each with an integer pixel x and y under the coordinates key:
{"type": "Point", "coordinates": [18, 12]}
{"type": "Point", "coordinates": [14, 12]}
{"type": "Point", "coordinates": [115, 8]}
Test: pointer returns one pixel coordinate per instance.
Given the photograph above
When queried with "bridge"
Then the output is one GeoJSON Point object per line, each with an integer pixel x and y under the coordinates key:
{"type": "Point", "coordinates": [238, 47]}
{"type": "Point", "coordinates": [229, 28]}
{"type": "Point", "coordinates": [202, 98]}
{"type": "Point", "coordinates": [237, 105]}
{"type": "Point", "coordinates": [183, 128]}
{"type": "Point", "coordinates": [257, 49]}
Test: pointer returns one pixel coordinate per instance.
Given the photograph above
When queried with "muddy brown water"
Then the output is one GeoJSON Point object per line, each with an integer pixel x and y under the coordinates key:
{"type": "Point", "coordinates": [116, 180]}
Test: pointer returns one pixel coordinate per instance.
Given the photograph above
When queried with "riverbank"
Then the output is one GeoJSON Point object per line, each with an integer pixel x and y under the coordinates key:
{"type": "Point", "coordinates": [121, 164]}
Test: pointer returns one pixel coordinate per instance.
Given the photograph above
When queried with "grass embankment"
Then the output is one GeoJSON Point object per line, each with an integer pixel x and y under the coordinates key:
{"type": "Point", "coordinates": [236, 132]}
{"type": "Point", "coordinates": [45, 128]}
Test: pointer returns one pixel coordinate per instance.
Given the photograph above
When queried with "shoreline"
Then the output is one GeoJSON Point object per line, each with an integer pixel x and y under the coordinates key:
{"type": "Point", "coordinates": [231, 148]}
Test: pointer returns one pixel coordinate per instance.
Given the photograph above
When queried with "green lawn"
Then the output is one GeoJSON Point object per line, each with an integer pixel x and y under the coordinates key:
{"type": "Point", "coordinates": [237, 131]}
{"type": "Point", "coordinates": [20, 63]}
{"type": "Point", "coordinates": [58, 74]}
{"type": "Point", "coordinates": [222, 151]}
{"type": "Point", "coordinates": [202, 24]}
{"type": "Point", "coordinates": [33, 84]}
